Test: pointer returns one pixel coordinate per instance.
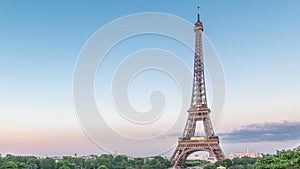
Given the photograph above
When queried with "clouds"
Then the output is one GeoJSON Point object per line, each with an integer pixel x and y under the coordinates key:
{"type": "Point", "coordinates": [256, 132]}
{"type": "Point", "coordinates": [264, 132]}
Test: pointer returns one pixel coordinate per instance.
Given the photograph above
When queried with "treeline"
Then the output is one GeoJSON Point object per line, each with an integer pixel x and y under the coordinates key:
{"type": "Point", "coordinates": [286, 159]}
{"type": "Point", "coordinates": [236, 163]}
{"type": "Point", "coordinates": [102, 162]}
{"type": "Point", "coordinates": [192, 163]}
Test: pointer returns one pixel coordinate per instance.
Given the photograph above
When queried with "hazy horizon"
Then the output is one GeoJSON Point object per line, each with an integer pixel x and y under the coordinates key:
{"type": "Point", "coordinates": [257, 43]}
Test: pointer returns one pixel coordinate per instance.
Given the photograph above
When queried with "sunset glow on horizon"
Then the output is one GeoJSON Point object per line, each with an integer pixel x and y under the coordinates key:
{"type": "Point", "coordinates": [257, 43]}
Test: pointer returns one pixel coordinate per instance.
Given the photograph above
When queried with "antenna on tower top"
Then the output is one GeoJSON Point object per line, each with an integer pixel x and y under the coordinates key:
{"type": "Point", "coordinates": [198, 14]}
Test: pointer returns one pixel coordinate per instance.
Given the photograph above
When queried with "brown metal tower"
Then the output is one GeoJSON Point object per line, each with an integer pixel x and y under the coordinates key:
{"type": "Point", "coordinates": [198, 111]}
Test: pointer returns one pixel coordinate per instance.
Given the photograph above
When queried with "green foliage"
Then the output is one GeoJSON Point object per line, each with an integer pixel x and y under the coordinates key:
{"type": "Point", "coordinates": [236, 163]}
{"type": "Point", "coordinates": [288, 159]}
{"type": "Point", "coordinates": [156, 162]}
{"type": "Point", "coordinates": [139, 162]}
{"type": "Point", "coordinates": [282, 159]}
{"type": "Point", "coordinates": [1, 162]}
{"type": "Point", "coordinates": [32, 161]}
{"type": "Point", "coordinates": [70, 162]}
{"type": "Point", "coordinates": [46, 163]}
{"type": "Point", "coordinates": [192, 163]}
{"type": "Point", "coordinates": [102, 167]}
{"type": "Point", "coordinates": [64, 167]}
{"type": "Point", "coordinates": [104, 161]}
{"type": "Point", "coordinates": [210, 167]}
{"type": "Point", "coordinates": [21, 165]}
{"type": "Point", "coordinates": [119, 162]}
{"type": "Point", "coordinates": [10, 165]}
{"type": "Point", "coordinates": [147, 166]}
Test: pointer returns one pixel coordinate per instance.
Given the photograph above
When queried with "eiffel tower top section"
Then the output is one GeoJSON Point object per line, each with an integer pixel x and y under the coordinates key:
{"type": "Point", "coordinates": [199, 24]}
{"type": "Point", "coordinates": [199, 99]}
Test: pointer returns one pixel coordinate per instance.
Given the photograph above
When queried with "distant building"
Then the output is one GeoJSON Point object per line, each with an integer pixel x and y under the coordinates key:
{"type": "Point", "coordinates": [129, 157]}
{"type": "Point", "coordinates": [115, 154]}
{"type": "Point", "coordinates": [204, 158]}
{"type": "Point", "coordinates": [148, 159]}
{"type": "Point", "coordinates": [244, 154]}
{"type": "Point", "coordinates": [89, 157]}
{"type": "Point", "coordinates": [211, 159]}
{"type": "Point", "coordinates": [197, 157]}
{"type": "Point", "coordinates": [57, 158]}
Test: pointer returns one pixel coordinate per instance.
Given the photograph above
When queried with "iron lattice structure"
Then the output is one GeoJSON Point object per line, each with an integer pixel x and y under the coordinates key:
{"type": "Point", "coordinates": [198, 111]}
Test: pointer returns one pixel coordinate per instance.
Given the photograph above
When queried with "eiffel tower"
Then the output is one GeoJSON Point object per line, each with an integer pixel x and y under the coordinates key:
{"type": "Point", "coordinates": [198, 111]}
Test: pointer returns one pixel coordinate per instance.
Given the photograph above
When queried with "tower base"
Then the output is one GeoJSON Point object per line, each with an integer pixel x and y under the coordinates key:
{"type": "Point", "coordinates": [188, 146]}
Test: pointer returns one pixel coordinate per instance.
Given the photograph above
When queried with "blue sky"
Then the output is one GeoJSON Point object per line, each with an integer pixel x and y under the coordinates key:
{"type": "Point", "coordinates": [257, 41]}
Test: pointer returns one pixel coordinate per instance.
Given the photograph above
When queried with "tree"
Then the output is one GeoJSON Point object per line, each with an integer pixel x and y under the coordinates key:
{"type": "Point", "coordinates": [282, 159]}
{"type": "Point", "coordinates": [90, 164]}
{"type": "Point", "coordinates": [210, 167]}
{"type": "Point", "coordinates": [249, 166]}
{"type": "Point", "coordinates": [64, 167]}
{"type": "Point", "coordinates": [129, 167]}
{"type": "Point", "coordinates": [31, 161]}
{"type": "Point", "coordinates": [21, 165]}
{"type": "Point", "coordinates": [67, 163]}
{"type": "Point", "coordinates": [9, 157]}
{"type": "Point", "coordinates": [146, 166]}
{"type": "Point", "coordinates": [104, 161]}
{"type": "Point", "coordinates": [32, 166]}
{"type": "Point", "coordinates": [227, 163]}
{"type": "Point", "coordinates": [47, 163]}
{"type": "Point", "coordinates": [72, 162]}
{"type": "Point", "coordinates": [139, 162]}
{"type": "Point", "coordinates": [11, 165]}
{"type": "Point", "coordinates": [1, 162]}
{"type": "Point", "coordinates": [102, 167]}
